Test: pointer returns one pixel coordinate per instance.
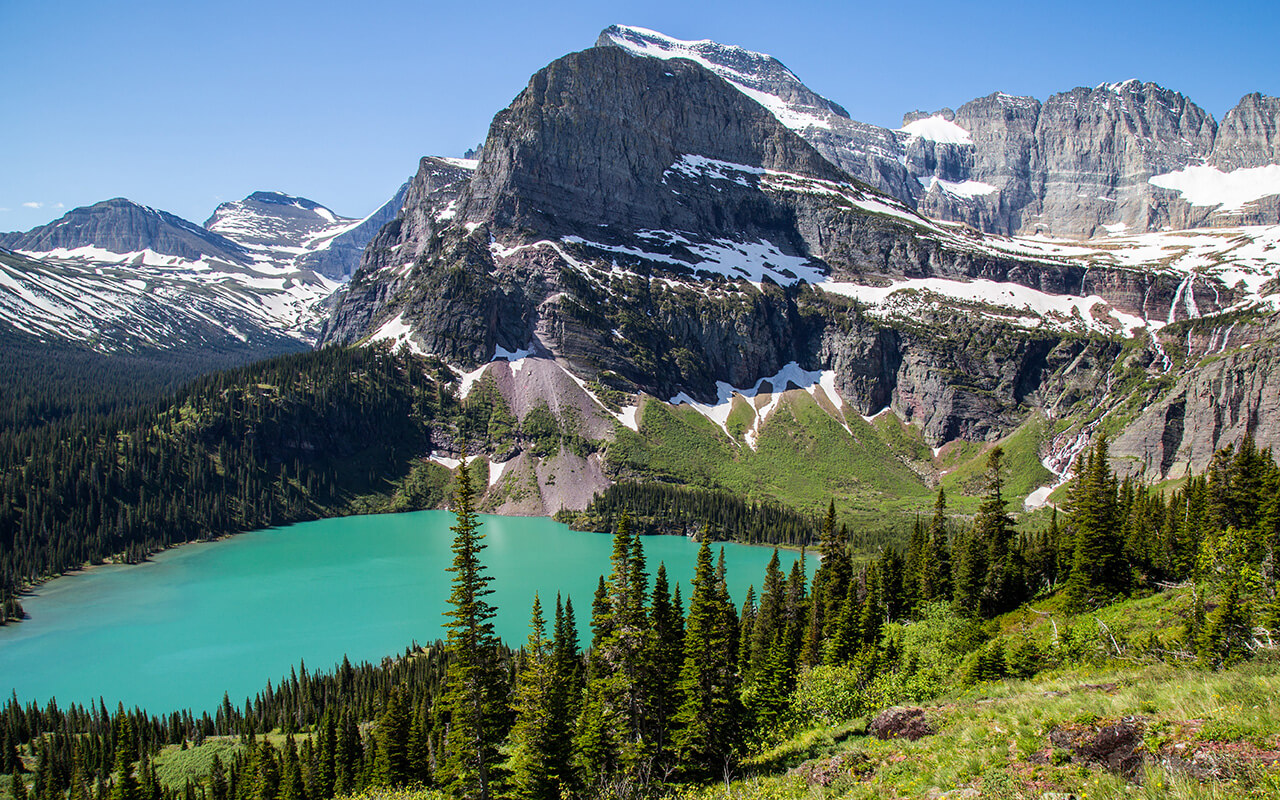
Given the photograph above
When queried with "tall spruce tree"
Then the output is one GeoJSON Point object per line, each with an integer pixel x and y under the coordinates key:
{"type": "Point", "coordinates": [707, 735]}
{"type": "Point", "coordinates": [392, 768]}
{"type": "Point", "coordinates": [935, 564]}
{"type": "Point", "coordinates": [531, 743]}
{"type": "Point", "coordinates": [473, 697]}
{"type": "Point", "coordinates": [1099, 571]}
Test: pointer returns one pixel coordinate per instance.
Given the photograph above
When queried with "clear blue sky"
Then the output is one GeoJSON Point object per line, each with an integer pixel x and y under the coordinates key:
{"type": "Point", "coordinates": [182, 105]}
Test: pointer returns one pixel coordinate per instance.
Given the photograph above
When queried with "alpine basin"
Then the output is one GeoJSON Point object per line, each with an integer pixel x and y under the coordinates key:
{"type": "Point", "coordinates": [228, 616]}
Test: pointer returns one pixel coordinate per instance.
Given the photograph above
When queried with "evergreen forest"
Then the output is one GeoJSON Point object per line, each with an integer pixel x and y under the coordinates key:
{"type": "Point", "coordinates": [681, 687]}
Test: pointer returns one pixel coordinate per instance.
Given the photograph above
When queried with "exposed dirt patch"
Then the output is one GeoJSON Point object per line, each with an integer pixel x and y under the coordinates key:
{"type": "Point", "coordinates": [901, 723]}
{"type": "Point", "coordinates": [1115, 745]}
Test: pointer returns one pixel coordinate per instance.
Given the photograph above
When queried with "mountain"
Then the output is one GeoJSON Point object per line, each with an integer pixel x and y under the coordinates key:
{"type": "Point", "coordinates": [118, 276]}
{"type": "Point", "coordinates": [339, 257]}
{"type": "Point", "coordinates": [1121, 157]}
{"type": "Point", "coordinates": [120, 227]}
{"type": "Point", "coordinates": [702, 271]}
{"type": "Point", "coordinates": [283, 230]}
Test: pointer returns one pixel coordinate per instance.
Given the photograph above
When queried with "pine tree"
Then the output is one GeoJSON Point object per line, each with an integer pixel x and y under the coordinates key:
{"type": "Point", "coordinates": [266, 784]}
{"type": "Point", "coordinates": [1228, 634]}
{"type": "Point", "coordinates": [1098, 568]}
{"type": "Point", "coordinates": [291, 785]}
{"type": "Point", "coordinates": [531, 742]}
{"type": "Point", "coordinates": [665, 661]}
{"type": "Point", "coordinates": [348, 752]}
{"type": "Point", "coordinates": [993, 531]}
{"type": "Point", "coordinates": [473, 695]}
{"type": "Point", "coordinates": [707, 734]}
{"type": "Point", "coordinates": [935, 564]}
{"type": "Point", "coordinates": [617, 704]}
{"type": "Point", "coordinates": [125, 785]}
{"type": "Point", "coordinates": [391, 768]}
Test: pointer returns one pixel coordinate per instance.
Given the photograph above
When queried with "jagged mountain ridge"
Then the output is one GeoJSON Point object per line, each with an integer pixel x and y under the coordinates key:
{"type": "Point", "coordinates": [649, 229]}
{"type": "Point", "coordinates": [1014, 165]}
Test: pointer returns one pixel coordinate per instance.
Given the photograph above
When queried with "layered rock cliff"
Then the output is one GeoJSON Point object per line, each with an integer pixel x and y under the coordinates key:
{"type": "Point", "coordinates": [1087, 162]}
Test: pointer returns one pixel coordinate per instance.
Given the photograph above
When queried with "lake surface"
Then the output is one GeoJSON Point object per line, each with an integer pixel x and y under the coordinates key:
{"type": "Point", "coordinates": [230, 615]}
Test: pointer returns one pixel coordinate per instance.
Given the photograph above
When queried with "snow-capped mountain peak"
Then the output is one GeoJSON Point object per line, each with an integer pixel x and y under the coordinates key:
{"type": "Point", "coordinates": [760, 76]}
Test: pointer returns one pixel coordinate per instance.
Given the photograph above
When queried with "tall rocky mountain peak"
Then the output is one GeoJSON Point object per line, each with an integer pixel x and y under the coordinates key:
{"type": "Point", "coordinates": [1089, 162]}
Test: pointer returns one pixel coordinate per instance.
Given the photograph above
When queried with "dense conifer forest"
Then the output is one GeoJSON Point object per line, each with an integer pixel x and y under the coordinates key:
{"type": "Point", "coordinates": [675, 687]}
{"type": "Point", "coordinates": [284, 440]}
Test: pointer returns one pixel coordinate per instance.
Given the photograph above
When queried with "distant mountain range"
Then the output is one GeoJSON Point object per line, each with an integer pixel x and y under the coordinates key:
{"type": "Point", "coordinates": [120, 276]}
{"type": "Point", "coordinates": [657, 228]}
{"type": "Point", "coordinates": [1121, 157]}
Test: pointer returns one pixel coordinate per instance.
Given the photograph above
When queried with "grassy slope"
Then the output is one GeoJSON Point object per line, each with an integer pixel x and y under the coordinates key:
{"type": "Point", "coordinates": [994, 738]}
{"type": "Point", "coordinates": [804, 458]}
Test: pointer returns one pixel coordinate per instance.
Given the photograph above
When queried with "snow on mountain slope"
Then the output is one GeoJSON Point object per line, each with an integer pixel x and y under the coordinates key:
{"type": "Point", "coordinates": [759, 76]}
{"type": "Point", "coordinates": [1229, 191]}
{"type": "Point", "coordinates": [277, 228]}
{"type": "Point", "coordinates": [126, 301]}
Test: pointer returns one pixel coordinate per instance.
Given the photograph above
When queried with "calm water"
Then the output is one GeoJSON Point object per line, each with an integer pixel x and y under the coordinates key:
{"type": "Point", "coordinates": [229, 616]}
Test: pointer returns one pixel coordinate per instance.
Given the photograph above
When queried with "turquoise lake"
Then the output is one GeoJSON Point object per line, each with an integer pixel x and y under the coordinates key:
{"type": "Point", "coordinates": [228, 616]}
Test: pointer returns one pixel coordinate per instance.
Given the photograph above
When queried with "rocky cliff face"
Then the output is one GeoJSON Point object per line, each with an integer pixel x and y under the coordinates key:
{"type": "Point", "coordinates": [1088, 162]}
{"type": "Point", "coordinates": [1230, 389]}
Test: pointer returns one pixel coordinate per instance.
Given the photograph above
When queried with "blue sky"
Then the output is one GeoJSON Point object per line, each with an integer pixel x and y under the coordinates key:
{"type": "Point", "coordinates": [183, 105]}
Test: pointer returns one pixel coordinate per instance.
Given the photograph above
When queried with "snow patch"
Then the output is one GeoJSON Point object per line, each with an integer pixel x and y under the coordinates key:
{"type": "Point", "coordinates": [1037, 304]}
{"type": "Point", "coordinates": [629, 416]}
{"type": "Point", "coordinates": [938, 129]}
{"type": "Point", "coordinates": [966, 189]}
{"type": "Point", "coordinates": [791, 375]}
{"type": "Point", "coordinates": [1210, 186]}
{"type": "Point", "coordinates": [495, 471]}
{"type": "Point", "coordinates": [398, 332]}
{"type": "Point", "coordinates": [1038, 498]}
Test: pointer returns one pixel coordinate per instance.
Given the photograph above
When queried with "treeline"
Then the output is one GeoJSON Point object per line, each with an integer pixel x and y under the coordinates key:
{"type": "Point", "coordinates": [44, 384]}
{"type": "Point", "coordinates": [661, 508]}
{"type": "Point", "coordinates": [284, 440]}
{"type": "Point", "coordinates": [663, 694]}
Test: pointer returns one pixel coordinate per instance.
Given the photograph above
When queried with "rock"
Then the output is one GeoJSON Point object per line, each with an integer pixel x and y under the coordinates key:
{"type": "Point", "coordinates": [823, 772]}
{"type": "Point", "coordinates": [341, 257]}
{"type": "Point", "coordinates": [1217, 402]}
{"type": "Point", "coordinates": [901, 723]}
{"type": "Point", "coordinates": [1116, 746]}
{"type": "Point", "coordinates": [1249, 135]}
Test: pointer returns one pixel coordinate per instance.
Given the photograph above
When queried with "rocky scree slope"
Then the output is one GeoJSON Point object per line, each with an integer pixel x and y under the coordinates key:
{"type": "Point", "coordinates": [1124, 157]}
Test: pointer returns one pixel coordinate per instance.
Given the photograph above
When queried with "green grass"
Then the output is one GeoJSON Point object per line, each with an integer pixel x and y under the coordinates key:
{"type": "Point", "coordinates": [803, 457]}
{"type": "Point", "coordinates": [175, 766]}
{"type": "Point", "coordinates": [994, 739]}
{"type": "Point", "coordinates": [1024, 472]}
